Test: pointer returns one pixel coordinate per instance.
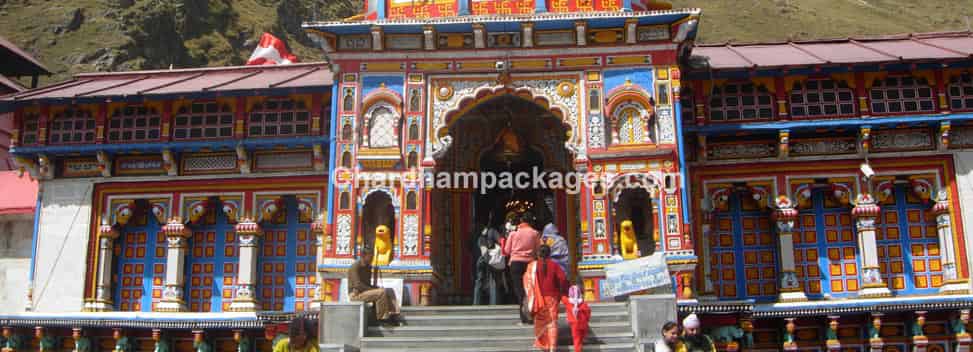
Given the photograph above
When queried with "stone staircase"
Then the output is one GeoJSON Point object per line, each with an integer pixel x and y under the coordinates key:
{"type": "Point", "coordinates": [494, 329]}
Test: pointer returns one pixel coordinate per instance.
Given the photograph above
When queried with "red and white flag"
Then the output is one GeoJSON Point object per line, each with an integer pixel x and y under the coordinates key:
{"type": "Point", "coordinates": [271, 51]}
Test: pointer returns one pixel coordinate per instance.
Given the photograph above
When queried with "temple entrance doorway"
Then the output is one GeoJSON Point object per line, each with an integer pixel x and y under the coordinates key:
{"type": "Point", "coordinates": [505, 136]}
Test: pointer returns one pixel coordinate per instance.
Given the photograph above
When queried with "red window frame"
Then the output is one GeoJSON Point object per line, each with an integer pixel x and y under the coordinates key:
{"type": "Point", "coordinates": [741, 102]}
{"type": "Point", "coordinates": [134, 123]}
{"type": "Point", "coordinates": [960, 92]}
{"type": "Point", "coordinates": [279, 117]}
{"type": "Point", "coordinates": [204, 123]}
{"type": "Point", "coordinates": [75, 124]}
{"type": "Point", "coordinates": [30, 128]}
{"type": "Point", "coordinates": [895, 94]}
{"type": "Point", "coordinates": [817, 98]}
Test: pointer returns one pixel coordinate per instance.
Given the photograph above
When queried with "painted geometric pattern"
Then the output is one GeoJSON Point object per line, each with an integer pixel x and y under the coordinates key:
{"type": "Point", "coordinates": [630, 131]}
{"type": "Point", "coordinates": [287, 269]}
{"type": "Point", "coordinates": [825, 252]}
{"type": "Point", "coordinates": [908, 247]}
{"type": "Point", "coordinates": [211, 268]}
{"type": "Point", "coordinates": [382, 130]}
{"type": "Point", "coordinates": [140, 269]}
{"type": "Point", "coordinates": [743, 255]}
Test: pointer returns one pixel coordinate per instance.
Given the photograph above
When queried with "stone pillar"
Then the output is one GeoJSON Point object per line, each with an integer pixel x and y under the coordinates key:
{"type": "Point", "coordinates": [172, 297]}
{"type": "Point", "coordinates": [784, 216]}
{"type": "Point", "coordinates": [875, 341]}
{"type": "Point", "coordinates": [919, 340]}
{"type": "Point", "coordinates": [245, 299]}
{"type": "Point", "coordinates": [106, 241]}
{"type": "Point", "coordinates": [865, 213]}
{"type": "Point", "coordinates": [833, 344]}
{"type": "Point", "coordinates": [953, 283]}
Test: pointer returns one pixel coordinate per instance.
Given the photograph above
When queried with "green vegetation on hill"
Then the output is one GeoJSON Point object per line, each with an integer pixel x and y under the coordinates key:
{"type": "Point", "coordinates": [114, 35]}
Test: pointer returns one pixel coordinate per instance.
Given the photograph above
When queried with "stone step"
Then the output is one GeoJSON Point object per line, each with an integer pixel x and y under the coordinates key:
{"type": "Point", "coordinates": [509, 330]}
{"type": "Point", "coordinates": [481, 343]}
{"type": "Point", "coordinates": [614, 347]}
{"type": "Point", "coordinates": [410, 311]}
{"type": "Point", "coordinates": [505, 319]}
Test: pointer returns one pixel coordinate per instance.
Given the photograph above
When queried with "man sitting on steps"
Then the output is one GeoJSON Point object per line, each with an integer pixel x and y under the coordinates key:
{"type": "Point", "coordinates": [361, 289]}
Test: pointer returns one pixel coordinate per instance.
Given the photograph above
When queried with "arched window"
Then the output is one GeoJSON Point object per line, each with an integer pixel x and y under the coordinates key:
{"type": "Point", "coordinates": [961, 92]}
{"type": "Point", "coordinates": [279, 117]}
{"type": "Point", "coordinates": [740, 102]}
{"type": "Point", "coordinates": [73, 125]}
{"type": "Point", "coordinates": [30, 128]}
{"type": "Point", "coordinates": [134, 124]}
{"type": "Point", "coordinates": [382, 123]}
{"type": "Point", "coordinates": [899, 94]}
{"type": "Point", "coordinates": [822, 97]}
{"type": "Point", "coordinates": [203, 120]}
{"type": "Point", "coordinates": [631, 124]}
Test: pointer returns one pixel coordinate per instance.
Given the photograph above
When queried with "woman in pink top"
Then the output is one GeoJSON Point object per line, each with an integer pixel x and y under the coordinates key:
{"type": "Point", "coordinates": [520, 248]}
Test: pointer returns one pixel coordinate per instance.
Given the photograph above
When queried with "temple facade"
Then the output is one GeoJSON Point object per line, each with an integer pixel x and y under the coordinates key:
{"type": "Point", "coordinates": [804, 195]}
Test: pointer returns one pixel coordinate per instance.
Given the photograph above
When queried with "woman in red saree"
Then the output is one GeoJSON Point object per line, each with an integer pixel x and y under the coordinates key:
{"type": "Point", "coordinates": [544, 283]}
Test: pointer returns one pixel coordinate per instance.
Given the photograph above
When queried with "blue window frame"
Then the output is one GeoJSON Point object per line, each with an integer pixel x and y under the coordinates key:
{"type": "Point", "coordinates": [211, 264]}
{"type": "Point", "coordinates": [286, 264]}
{"type": "Point", "coordinates": [825, 249]}
{"type": "Point", "coordinates": [140, 265]}
{"type": "Point", "coordinates": [743, 252]}
{"type": "Point", "coordinates": [908, 245]}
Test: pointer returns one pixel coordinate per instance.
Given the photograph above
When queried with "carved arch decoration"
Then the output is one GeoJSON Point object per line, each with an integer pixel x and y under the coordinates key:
{"type": "Point", "coordinates": [375, 106]}
{"type": "Point", "coordinates": [268, 207]}
{"type": "Point", "coordinates": [924, 187]}
{"type": "Point", "coordinates": [120, 212]}
{"type": "Point", "coordinates": [396, 204]}
{"type": "Point", "coordinates": [651, 183]}
{"type": "Point", "coordinates": [621, 104]}
{"type": "Point", "coordinates": [196, 208]}
{"type": "Point", "coordinates": [453, 98]}
{"type": "Point", "coordinates": [839, 190]}
{"type": "Point", "coordinates": [718, 195]}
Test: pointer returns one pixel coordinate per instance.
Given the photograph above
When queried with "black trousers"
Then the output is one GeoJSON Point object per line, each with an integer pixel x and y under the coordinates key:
{"type": "Point", "coordinates": [517, 270]}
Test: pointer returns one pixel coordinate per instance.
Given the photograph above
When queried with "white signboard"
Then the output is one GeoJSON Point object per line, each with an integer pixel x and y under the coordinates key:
{"type": "Point", "coordinates": [635, 275]}
{"type": "Point", "coordinates": [395, 284]}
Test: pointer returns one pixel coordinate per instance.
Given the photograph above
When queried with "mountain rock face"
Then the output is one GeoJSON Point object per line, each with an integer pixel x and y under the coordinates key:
{"type": "Point", "coordinates": [112, 35]}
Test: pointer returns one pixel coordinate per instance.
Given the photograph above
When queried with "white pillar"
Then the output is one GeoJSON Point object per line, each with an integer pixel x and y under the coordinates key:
{"type": "Point", "coordinates": [865, 213]}
{"type": "Point", "coordinates": [953, 283]}
{"type": "Point", "coordinates": [106, 241]}
{"type": "Point", "coordinates": [172, 296]}
{"type": "Point", "coordinates": [582, 32]}
{"type": "Point", "coordinates": [527, 38]}
{"type": "Point", "coordinates": [788, 286]}
{"type": "Point", "coordinates": [245, 299]}
{"type": "Point", "coordinates": [318, 229]}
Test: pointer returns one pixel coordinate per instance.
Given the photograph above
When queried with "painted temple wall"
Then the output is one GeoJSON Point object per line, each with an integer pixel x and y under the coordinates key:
{"type": "Point", "coordinates": [62, 243]}
{"type": "Point", "coordinates": [964, 181]}
{"type": "Point", "coordinates": [15, 241]}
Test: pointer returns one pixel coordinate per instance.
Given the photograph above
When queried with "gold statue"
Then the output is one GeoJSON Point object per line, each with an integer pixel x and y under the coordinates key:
{"type": "Point", "coordinates": [630, 246]}
{"type": "Point", "coordinates": [383, 246]}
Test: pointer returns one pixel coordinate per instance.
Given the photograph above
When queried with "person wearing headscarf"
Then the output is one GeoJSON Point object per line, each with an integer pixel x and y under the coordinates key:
{"type": "Point", "coordinates": [579, 314]}
{"type": "Point", "coordinates": [693, 338]}
{"type": "Point", "coordinates": [559, 247]}
{"type": "Point", "coordinates": [547, 285]}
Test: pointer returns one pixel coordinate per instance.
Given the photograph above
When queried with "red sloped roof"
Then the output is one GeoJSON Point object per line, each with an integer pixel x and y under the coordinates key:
{"type": "Point", "coordinates": [914, 46]}
{"type": "Point", "coordinates": [183, 81]}
{"type": "Point", "coordinates": [19, 193]}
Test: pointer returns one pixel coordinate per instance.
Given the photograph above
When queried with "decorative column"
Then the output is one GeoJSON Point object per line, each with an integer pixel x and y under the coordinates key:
{"type": "Point", "coordinates": [106, 242]}
{"type": "Point", "coordinates": [527, 38]}
{"type": "Point", "coordinates": [875, 333]}
{"type": "Point", "coordinates": [81, 342]}
{"type": "Point", "coordinates": [244, 342]}
{"type": "Point", "coordinates": [582, 32]}
{"type": "Point", "coordinates": [833, 344]}
{"type": "Point", "coordinates": [248, 232]}
{"type": "Point", "coordinates": [319, 229]}
{"type": "Point", "coordinates": [789, 343]}
{"type": "Point", "coordinates": [784, 216]}
{"type": "Point", "coordinates": [199, 342]}
{"type": "Point", "coordinates": [161, 342]}
{"type": "Point", "coordinates": [958, 328]}
{"type": "Point", "coordinates": [919, 340]}
{"type": "Point", "coordinates": [953, 284]}
{"type": "Point", "coordinates": [172, 297]}
{"type": "Point", "coordinates": [865, 213]}
{"type": "Point", "coordinates": [122, 342]}
{"type": "Point", "coordinates": [479, 36]}
{"type": "Point", "coordinates": [631, 26]}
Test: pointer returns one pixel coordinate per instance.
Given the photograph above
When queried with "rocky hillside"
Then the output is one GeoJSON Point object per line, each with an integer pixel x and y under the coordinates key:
{"type": "Point", "coordinates": [113, 35]}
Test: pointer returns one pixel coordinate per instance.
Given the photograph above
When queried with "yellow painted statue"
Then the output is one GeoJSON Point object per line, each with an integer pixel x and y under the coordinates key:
{"type": "Point", "coordinates": [630, 246]}
{"type": "Point", "coordinates": [383, 246]}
